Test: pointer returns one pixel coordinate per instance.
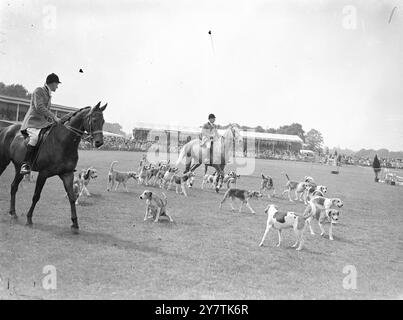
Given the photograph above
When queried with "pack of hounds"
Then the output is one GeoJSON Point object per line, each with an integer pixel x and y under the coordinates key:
{"type": "Point", "coordinates": [165, 176]}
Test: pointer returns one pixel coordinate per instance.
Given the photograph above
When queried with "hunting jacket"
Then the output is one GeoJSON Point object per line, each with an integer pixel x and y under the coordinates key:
{"type": "Point", "coordinates": [39, 115]}
{"type": "Point", "coordinates": [209, 131]}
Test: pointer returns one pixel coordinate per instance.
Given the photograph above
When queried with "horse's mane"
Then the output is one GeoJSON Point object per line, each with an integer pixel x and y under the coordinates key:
{"type": "Point", "coordinates": [70, 115]}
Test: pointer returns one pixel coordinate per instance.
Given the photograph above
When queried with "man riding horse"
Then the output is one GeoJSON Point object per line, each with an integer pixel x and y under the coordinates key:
{"type": "Point", "coordinates": [209, 134]}
{"type": "Point", "coordinates": [38, 117]}
{"type": "Point", "coordinates": [58, 154]}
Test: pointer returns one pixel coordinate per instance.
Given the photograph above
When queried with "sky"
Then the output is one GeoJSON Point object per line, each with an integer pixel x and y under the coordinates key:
{"type": "Point", "coordinates": [333, 66]}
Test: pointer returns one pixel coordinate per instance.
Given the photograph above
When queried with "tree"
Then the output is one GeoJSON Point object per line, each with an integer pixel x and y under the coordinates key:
{"type": "Point", "coordinates": [314, 140]}
{"type": "Point", "coordinates": [293, 129]}
{"type": "Point", "coordinates": [259, 129]}
{"type": "Point", "coordinates": [14, 90]}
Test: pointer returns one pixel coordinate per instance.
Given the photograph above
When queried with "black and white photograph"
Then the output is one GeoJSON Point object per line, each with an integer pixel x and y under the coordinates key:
{"type": "Point", "coordinates": [201, 150]}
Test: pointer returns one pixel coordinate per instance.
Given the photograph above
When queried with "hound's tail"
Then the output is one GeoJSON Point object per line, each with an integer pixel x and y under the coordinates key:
{"type": "Point", "coordinates": [288, 178]}
{"type": "Point", "coordinates": [225, 196]}
{"type": "Point", "coordinates": [165, 198]}
{"type": "Point", "coordinates": [112, 165]}
{"type": "Point", "coordinates": [182, 154]}
{"type": "Point", "coordinates": [309, 211]}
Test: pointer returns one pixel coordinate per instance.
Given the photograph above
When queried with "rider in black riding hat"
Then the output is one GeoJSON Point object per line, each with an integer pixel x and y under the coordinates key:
{"type": "Point", "coordinates": [209, 133]}
{"type": "Point", "coordinates": [38, 117]}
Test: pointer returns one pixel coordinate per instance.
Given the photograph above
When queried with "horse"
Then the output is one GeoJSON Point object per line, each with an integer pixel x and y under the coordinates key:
{"type": "Point", "coordinates": [56, 155]}
{"type": "Point", "coordinates": [221, 153]}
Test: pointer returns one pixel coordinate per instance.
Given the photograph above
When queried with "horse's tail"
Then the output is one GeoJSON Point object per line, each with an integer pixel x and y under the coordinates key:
{"type": "Point", "coordinates": [112, 165]}
{"type": "Point", "coordinates": [182, 154]}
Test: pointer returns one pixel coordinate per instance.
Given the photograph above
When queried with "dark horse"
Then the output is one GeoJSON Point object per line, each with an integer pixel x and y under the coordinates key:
{"type": "Point", "coordinates": [57, 155]}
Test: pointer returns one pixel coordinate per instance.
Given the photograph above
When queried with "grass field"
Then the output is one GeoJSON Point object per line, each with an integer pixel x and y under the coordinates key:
{"type": "Point", "coordinates": [209, 253]}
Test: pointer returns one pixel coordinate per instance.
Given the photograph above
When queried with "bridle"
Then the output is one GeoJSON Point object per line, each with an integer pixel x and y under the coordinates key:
{"type": "Point", "coordinates": [83, 134]}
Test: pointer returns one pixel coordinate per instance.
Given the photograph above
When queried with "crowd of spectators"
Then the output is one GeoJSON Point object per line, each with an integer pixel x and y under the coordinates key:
{"type": "Point", "coordinates": [367, 162]}
{"type": "Point", "coordinates": [282, 155]}
{"type": "Point", "coordinates": [112, 143]}
{"type": "Point", "coordinates": [126, 144]}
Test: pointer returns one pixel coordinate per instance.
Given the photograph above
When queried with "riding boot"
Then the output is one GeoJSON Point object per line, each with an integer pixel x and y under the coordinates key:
{"type": "Point", "coordinates": [211, 153]}
{"type": "Point", "coordinates": [26, 165]}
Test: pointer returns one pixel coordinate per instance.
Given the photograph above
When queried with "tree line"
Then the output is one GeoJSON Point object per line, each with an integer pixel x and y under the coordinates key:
{"type": "Point", "coordinates": [313, 138]}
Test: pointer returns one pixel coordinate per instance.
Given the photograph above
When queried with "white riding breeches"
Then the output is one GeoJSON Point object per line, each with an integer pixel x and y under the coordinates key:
{"type": "Point", "coordinates": [33, 134]}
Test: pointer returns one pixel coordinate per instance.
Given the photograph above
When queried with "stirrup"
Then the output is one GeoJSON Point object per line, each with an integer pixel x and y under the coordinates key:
{"type": "Point", "coordinates": [25, 169]}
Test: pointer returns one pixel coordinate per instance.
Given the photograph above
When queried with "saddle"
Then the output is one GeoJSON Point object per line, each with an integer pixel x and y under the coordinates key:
{"type": "Point", "coordinates": [43, 134]}
{"type": "Point", "coordinates": [210, 145]}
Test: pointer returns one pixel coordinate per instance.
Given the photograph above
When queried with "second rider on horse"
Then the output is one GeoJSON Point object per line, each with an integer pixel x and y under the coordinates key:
{"type": "Point", "coordinates": [38, 117]}
{"type": "Point", "coordinates": [209, 134]}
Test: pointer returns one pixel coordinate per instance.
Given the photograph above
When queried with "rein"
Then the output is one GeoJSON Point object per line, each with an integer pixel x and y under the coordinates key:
{"type": "Point", "coordinates": [79, 132]}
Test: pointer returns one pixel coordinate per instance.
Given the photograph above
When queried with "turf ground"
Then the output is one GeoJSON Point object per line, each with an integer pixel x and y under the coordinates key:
{"type": "Point", "coordinates": [208, 253]}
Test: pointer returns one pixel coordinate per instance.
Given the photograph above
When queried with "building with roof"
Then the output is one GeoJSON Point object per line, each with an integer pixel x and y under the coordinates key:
{"type": "Point", "coordinates": [13, 110]}
{"type": "Point", "coordinates": [260, 141]}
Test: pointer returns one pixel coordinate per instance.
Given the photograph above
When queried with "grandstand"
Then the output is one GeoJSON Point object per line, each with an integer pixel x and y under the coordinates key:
{"type": "Point", "coordinates": [165, 134]}
{"type": "Point", "coordinates": [13, 110]}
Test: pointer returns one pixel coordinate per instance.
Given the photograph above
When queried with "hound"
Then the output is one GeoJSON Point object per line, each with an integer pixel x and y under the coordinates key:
{"type": "Point", "coordinates": [331, 215]}
{"type": "Point", "coordinates": [231, 178]}
{"type": "Point", "coordinates": [181, 181]}
{"type": "Point", "coordinates": [29, 178]}
{"type": "Point", "coordinates": [167, 177]}
{"type": "Point", "coordinates": [143, 162]}
{"type": "Point", "coordinates": [162, 169]}
{"type": "Point", "coordinates": [119, 177]}
{"type": "Point", "coordinates": [155, 206]}
{"type": "Point", "coordinates": [242, 195]}
{"type": "Point", "coordinates": [267, 184]}
{"type": "Point", "coordinates": [144, 174]}
{"type": "Point", "coordinates": [320, 207]}
{"type": "Point", "coordinates": [314, 191]}
{"type": "Point", "coordinates": [284, 220]}
{"type": "Point", "coordinates": [152, 173]}
{"type": "Point", "coordinates": [84, 178]}
{"type": "Point", "coordinates": [298, 187]}
{"type": "Point", "coordinates": [209, 179]}
{"type": "Point", "coordinates": [76, 190]}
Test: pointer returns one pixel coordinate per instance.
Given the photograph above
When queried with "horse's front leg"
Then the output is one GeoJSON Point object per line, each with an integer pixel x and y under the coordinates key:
{"type": "Point", "coordinates": [67, 179]}
{"type": "Point", "coordinates": [40, 182]}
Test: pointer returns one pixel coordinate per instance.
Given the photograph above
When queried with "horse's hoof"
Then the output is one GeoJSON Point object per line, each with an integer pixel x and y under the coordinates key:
{"type": "Point", "coordinates": [74, 229]}
{"type": "Point", "coordinates": [29, 224]}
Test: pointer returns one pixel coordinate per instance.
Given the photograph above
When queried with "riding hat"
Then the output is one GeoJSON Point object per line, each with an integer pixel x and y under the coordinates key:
{"type": "Point", "coordinates": [52, 78]}
{"type": "Point", "coordinates": [211, 116]}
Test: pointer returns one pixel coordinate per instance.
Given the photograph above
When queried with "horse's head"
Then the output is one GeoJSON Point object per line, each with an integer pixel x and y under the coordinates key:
{"type": "Point", "coordinates": [94, 124]}
{"type": "Point", "coordinates": [236, 133]}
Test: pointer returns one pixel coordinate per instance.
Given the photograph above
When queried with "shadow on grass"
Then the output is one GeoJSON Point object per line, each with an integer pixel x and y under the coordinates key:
{"type": "Point", "coordinates": [340, 239]}
{"type": "Point", "coordinates": [84, 204]}
{"type": "Point", "coordinates": [94, 238]}
{"type": "Point", "coordinates": [96, 195]}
